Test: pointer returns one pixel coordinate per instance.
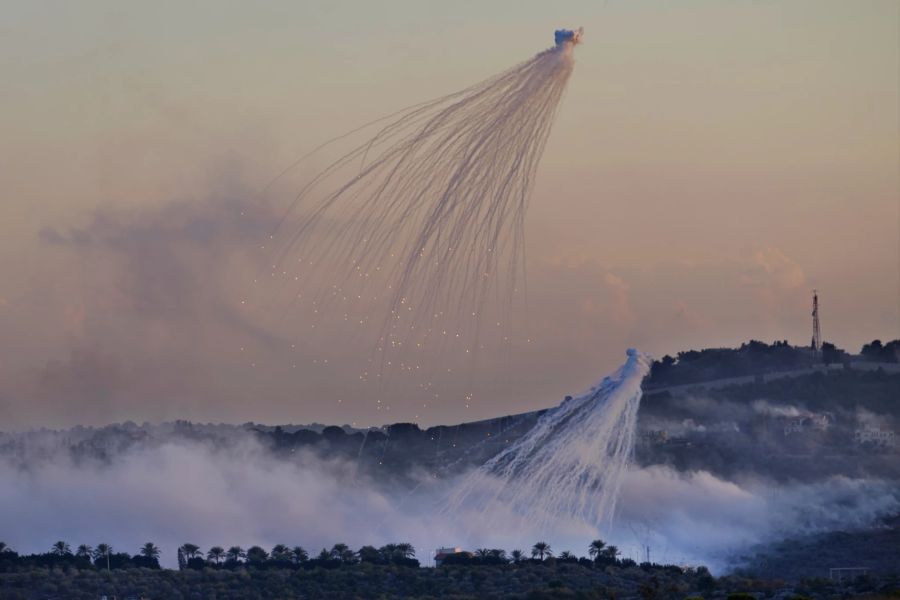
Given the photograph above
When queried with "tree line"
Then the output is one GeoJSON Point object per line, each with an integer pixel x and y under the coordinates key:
{"type": "Point", "coordinates": [191, 556]}
{"type": "Point", "coordinates": [756, 357]}
{"type": "Point", "coordinates": [600, 553]}
{"type": "Point", "coordinates": [83, 556]}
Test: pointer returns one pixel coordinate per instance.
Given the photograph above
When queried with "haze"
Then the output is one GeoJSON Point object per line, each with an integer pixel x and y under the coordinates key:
{"type": "Point", "coordinates": [710, 166]}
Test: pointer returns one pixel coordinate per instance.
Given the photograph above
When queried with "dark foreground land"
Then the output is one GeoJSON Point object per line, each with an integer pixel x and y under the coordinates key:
{"type": "Point", "coordinates": [550, 579]}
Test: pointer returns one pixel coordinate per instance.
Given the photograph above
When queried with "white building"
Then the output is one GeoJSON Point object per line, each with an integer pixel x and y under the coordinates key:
{"type": "Point", "coordinates": [874, 436]}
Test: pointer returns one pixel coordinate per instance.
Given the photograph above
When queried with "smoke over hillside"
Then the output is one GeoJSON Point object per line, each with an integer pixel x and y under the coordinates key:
{"type": "Point", "coordinates": [223, 484]}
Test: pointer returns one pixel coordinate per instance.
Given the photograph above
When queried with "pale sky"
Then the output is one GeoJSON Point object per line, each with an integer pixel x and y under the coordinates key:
{"type": "Point", "coordinates": [712, 163]}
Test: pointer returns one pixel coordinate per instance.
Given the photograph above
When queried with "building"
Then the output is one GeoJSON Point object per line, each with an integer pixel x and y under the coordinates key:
{"type": "Point", "coordinates": [808, 422]}
{"type": "Point", "coordinates": [442, 553]}
{"type": "Point", "coordinates": [795, 425]}
{"type": "Point", "coordinates": [874, 436]}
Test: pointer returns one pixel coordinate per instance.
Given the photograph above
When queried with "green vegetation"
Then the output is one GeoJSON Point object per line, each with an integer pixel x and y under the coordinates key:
{"type": "Point", "coordinates": [386, 572]}
{"type": "Point", "coordinates": [757, 358]}
{"type": "Point", "coordinates": [877, 549]}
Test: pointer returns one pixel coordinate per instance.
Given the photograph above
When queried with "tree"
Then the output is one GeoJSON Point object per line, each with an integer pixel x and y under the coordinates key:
{"type": "Point", "coordinates": [879, 352]}
{"type": "Point", "coordinates": [611, 552]}
{"type": "Point", "coordinates": [84, 551]}
{"type": "Point", "coordinates": [102, 551]}
{"type": "Point", "coordinates": [872, 350]}
{"type": "Point", "coordinates": [190, 551]}
{"type": "Point", "coordinates": [369, 554]}
{"type": "Point", "coordinates": [61, 548]}
{"type": "Point", "coordinates": [482, 553]}
{"type": "Point", "coordinates": [406, 550]}
{"type": "Point", "coordinates": [596, 548]}
{"type": "Point", "coordinates": [337, 550]}
{"type": "Point", "coordinates": [256, 555]}
{"type": "Point", "coordinates": [650, 590]}
{"type": "Point", "coordinates": [149, 551]}
{"type": "Point", "coordinates": [280, 552]}
{"type": "Point", "coordinates": [395, 552]}
{"type": "Point", "coordinates": [299, 555]}
{"type": "Point", "coordinates": [235, 553]}
{"type": "Point", "coordinates": [830, 353]}
{"type": "Point", "coordinates": [566, 555]}
{"type": "Point", "coordinates": [388, 551]}
{"type": "Point", "coordinates": [216, 554]}
{"type": "Point", "coordinates": [343, 553]}
{"type": "Point", "coordinates": [498, 554]}
{"type": "Point", "coordinates": [4, 547]}
{"type": "Point", "coordinates": [540, 550]}
{"type": "Point", "coordinates": [517, 556]}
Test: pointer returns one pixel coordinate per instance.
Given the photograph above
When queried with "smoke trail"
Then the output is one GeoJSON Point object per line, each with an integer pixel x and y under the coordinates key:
{"type": "Point", "coordinates": [570, 466]}
{"type": "Point", "coordinates": [428, 213]}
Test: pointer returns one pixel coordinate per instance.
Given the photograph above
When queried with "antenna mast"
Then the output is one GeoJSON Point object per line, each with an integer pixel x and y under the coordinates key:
{"type": "Point", "coordinates": [817, 335]}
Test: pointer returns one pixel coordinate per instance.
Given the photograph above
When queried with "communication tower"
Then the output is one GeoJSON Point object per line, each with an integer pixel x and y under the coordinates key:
{"type": "Point", "coordinates": [816, 335]}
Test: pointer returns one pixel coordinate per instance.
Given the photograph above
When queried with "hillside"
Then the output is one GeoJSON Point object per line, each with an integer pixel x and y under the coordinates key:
{"type": "Point", "coordinates": [811, 424]}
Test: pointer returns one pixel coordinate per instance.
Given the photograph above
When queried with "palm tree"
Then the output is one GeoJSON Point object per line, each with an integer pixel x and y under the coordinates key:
{"type": "Point", "coordinates": [280, 552]}
{"type": "Point", "coordinates": [4, 547]}
{"type": "Point", "coordinates": [482, 553]}
{"type": "Point", "coordinates": [541, 549]}
{"type": "Point", "coordinates": [596, 548]}
{"type": "Point", "coordinates": [611, 552]}
{"type": "Point", "coordinates": [299, 554]}
{"type": "Point", "coordinates": [324, 555]}
{"type": "Point", "coordinates": [343, 553]}
{"type": "Point", "coordinates": [216, 553]}
{"type": "Point", "coordinates": [235, 553]}
{"type": "Point", "coordinates": [388, 552]}
{"type": "Point", "coordinates": [566, 555]}
{"type": "Point", "coordinates": [84, 551]}
{"type": "Point", "coordinates": [149, 551]}
{"type": "Point", "coordinates": [60, 548]}
{"type": "Point", "coordinates": [190, 551]}
{"type": "Point", "coordinates": [499, 554]}
{"type": "Point", "coordinates": [406, 550]}
{"type": "Point", "coordinates": [255, 554]}
{"type": "Point", "coordinates": [369, 554]}
{"type": "Point", "coordinates": [517, 556]}
{"type": "Point", "coordinates": [101, 551]}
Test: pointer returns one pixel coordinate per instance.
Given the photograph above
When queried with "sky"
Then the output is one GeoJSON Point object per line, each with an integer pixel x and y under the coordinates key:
{"type": "Point", "coordinates": [712, 163]}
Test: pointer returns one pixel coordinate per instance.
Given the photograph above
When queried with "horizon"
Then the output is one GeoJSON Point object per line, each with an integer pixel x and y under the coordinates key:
{"type": "Point", "coordinates": [423, 427]}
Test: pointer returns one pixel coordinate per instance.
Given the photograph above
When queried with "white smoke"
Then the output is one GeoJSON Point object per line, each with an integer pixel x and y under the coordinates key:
{"type": "Point", "coordinates": [181, 492]}
{"type": "Point", "coordinates": [698, 518]}
{"type": "Point", "coordinates": [777, 410]}
{"type": "Point", "coordinates": [413, 234]}
{"type": "Point", "coordinates": [569, 467]}
{"type": "Point", "coordinates": [232, 490]}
